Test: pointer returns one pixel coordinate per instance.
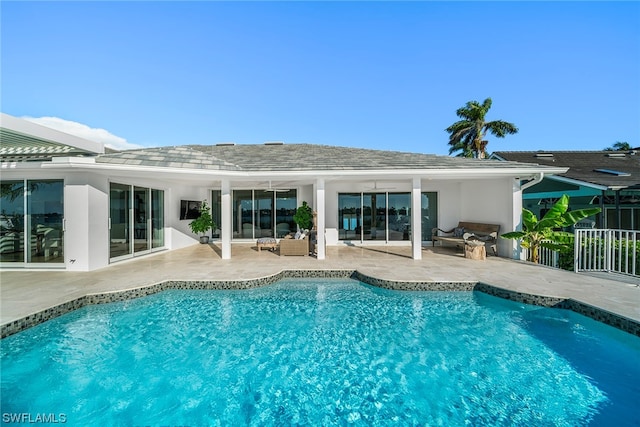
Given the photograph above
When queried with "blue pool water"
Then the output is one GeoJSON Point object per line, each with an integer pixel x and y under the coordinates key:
{"type": "Point", "coordinates": [322, 352]}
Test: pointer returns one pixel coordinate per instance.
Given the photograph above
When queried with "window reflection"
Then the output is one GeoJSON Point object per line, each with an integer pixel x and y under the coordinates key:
{"type": "Point", "coordinates": [399, 216]}
{"type": "Point", "coordinates": [42, 222]}
{"type": "Point", "coordinates": [383, 216]}
{"type": "Point", "coordinates": [349, 219]}
{"type": "Point", "coordinates": [136, 216]}
{"type": "Point", "coordinates": [119, 206]}
{"type": "Point", "coordinates": [286, 204]}
{"type": "Point", "coordinates": [12, 221]}
{"type": "Point", "coordinates": [262, 213]}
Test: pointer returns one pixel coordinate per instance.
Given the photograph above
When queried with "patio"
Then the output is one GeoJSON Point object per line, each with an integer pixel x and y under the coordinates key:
{"type": "Point", "coordinates": [30, 291]}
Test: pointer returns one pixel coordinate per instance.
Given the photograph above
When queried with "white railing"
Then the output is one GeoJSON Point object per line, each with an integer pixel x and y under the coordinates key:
{"type": "Point", "coordinates": [549, 257]}
{"type": "Point", "coordinates": [607, 250]}
{"type": "Point", "coordinates": [545, 257]}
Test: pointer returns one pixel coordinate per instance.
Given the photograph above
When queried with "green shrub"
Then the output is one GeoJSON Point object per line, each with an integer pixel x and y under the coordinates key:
{"type": "Point", "coordinates": [304, 216]}
{"type": "Point", "coordinates": [204, 222]}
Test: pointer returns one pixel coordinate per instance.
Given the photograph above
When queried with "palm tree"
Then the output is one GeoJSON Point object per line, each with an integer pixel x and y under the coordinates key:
{"type": "Point", "coordinates": [467, 135]}
{"type": "Point", "coordinates": [619, 146]}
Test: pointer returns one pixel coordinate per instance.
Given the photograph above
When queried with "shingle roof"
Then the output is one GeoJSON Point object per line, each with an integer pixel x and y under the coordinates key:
{"type": "Point", "coordinates": [594, 167]}
{"type": "Point", "coordinates": [295, 157]}
{"type": "Point", "coordinates": [173, 157]}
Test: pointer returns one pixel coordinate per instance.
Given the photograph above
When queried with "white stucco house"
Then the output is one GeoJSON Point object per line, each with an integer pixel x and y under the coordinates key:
{"type": "Point", "coordinates": [70, 203]}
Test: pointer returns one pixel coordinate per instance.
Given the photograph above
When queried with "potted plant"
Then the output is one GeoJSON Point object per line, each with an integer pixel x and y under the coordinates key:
{"type": "Point", "coordinates": [304, 217]}
{"type": "Point", "coordinates": [203, 223]}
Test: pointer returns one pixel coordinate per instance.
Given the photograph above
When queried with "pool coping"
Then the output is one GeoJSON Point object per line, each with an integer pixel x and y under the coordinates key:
{"type": "Point", "coordinates": [612, 319]}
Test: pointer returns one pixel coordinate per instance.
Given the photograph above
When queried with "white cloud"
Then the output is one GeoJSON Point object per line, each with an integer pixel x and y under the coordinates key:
{"type": "Point", "coordinates": [83, 131]}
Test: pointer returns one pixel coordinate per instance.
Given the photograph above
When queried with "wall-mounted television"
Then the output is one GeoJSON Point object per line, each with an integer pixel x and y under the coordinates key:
{"type": "Point", "coordinates": [190, 209]}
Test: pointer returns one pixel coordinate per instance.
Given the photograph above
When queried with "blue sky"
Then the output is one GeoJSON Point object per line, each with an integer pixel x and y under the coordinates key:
{"type": "Point", "coordinates": [384, 75]}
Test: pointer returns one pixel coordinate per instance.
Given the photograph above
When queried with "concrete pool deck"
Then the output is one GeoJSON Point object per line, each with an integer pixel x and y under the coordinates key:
{"type": "Point", "coordinates": [26, 292]}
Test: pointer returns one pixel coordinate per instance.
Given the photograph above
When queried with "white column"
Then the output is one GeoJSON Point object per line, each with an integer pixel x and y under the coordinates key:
{"type": "Point", "coordinates": [320, 209]}
{"type": "Point", "coordinates": [77, 235]}
{"type": "Point", "coordinates": [514, 249]}
{"type": "Point", "coordinates": [227, 226]}
{"type": "Point", "coordinates": [86, 219]}
{"type": "Point", "coordinates": [416, 219]}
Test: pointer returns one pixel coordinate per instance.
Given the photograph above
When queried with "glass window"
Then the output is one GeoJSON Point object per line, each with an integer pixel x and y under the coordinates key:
{"type": "Point", "coordinates": [429, 214]}
{"type": "Point", "coordinates": [12, 221]}
{"type": "Point", "coordinates": [374, 216]}
{"type": "Point", "coordinates": [136, 218]}
{"type": "Point", "coordinates": [255, 216]}
{"type": "Point", "coordinates": [264, 214]}
{"type": "Point", "coordinates": [119, 207]}
{"type": "Point", "coordinates": [157, 218]}
{"type": "Point", "coordinates": [45, 215]}
{"type": "Point", "coordinates": [383, 216]}
{"type": "Point", "coordinates": [243, 214]}
{"type": "Point", "coordinates": [349, 220]}
{"type": "Point", "coordinates": [286, 204]}
{"type": "Point", "coordinates": [399, 216]}
{"type": "Point", "coordinates": [37, 234]}
{"type": "Point", "coordinates": [140, 219]}
{"type": "Point", "coordinates": [216, 211]}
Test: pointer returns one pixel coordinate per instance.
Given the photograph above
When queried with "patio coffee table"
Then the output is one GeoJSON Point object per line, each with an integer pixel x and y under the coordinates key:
{"type": "Point", "coordinates": [267, 242]}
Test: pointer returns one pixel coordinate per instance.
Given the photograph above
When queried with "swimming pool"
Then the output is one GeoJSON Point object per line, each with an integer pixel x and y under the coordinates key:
{"type": "Point", "coordinates": [322, 352]}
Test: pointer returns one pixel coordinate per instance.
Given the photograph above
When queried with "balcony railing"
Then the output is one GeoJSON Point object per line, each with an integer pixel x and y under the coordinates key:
{"type": "Point", "coordinates": [545, 257]}
{"type": "Point", "coordinates": [614, 251]}
{"type": "Point", "coordinates": [598, 250]}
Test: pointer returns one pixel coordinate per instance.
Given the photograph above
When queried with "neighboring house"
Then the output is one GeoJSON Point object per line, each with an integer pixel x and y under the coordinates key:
{"type": "Point", "coordinates": [69, 203]}
{"type": "Point", "coordinates": [606, 179]}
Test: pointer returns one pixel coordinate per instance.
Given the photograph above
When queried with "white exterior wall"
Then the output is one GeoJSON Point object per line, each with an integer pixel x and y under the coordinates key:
{"type": "Point", "coordinates": [87, 216]}
{"type": "Point", "coordinates": [491, 201]}
{"type": "Point", "coordinates": [331, 210]}
{"type": "Point", "coordinates": [86, 208]}
{"type": "Point", "coordinates": [305, 194]}
{"type": "Point", "coordinates": [494, 201]}
{"type": "Point", "coordinates": [86, 211]}
{"type": "Point", "coordinates": [177, 231]}
{"type": "Point", "coordinates": [449, 203]}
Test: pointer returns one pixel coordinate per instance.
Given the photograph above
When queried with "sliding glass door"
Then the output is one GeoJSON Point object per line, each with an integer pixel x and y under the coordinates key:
{"type": "Point", "coordinates": [286, 205]}
{"type": "Point", "coordinates": [32, 222]}
{"type": "Point", "coordinates": [120, 220]}
{"type": "Point", "coordinates": [12, 222]}
{"type": "Point", "coordinates": [383, 216]}
{"type": "Point", "coordinates": [259, 213]}
{"type": "Point", "coordinates": [264, 214]}
{"type": "Point", "coordinates": [45, 219]}
{"type": "Point", "coordinates": [399, 216]}
{"type": "Point", "coordinates": [157, 219]}
{"type": "Point", "coordinates": [349, 219]}
{"type": "Point", "coordinates": [374, 216]}
{"type": "Point", "coordinates": [429, 205]}
{"type": "Point", "coordinates": [136, 218]}
{"type": "Point", "coordinates": [141, 213]}
{"type": "Point", "coordinates": [243, 214]}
